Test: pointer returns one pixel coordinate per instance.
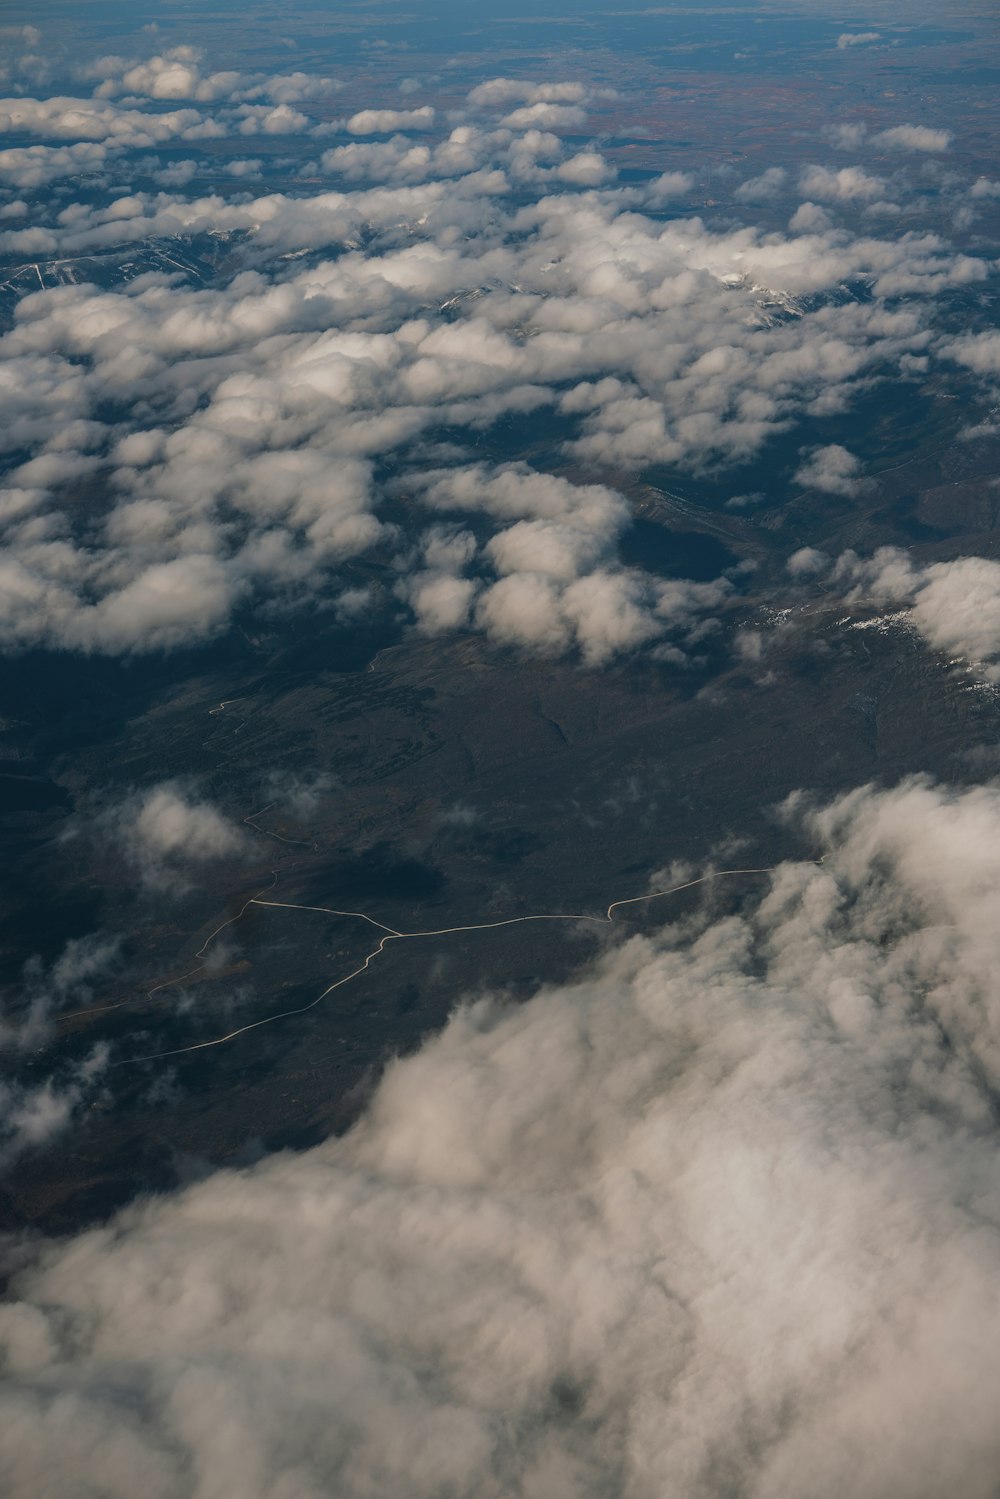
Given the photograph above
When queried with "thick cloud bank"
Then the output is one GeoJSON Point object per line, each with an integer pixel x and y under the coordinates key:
{"type": "Point", "coordinates": [954, 606]}
{"type": "Point", "coordinates": [720, 1218]}
{"type": "Point", "coordinates": [186, 446]}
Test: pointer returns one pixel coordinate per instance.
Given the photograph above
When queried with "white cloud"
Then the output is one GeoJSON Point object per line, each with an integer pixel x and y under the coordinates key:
{"type": "Point", "coordinates": [544, 116]}
{"type": "Point", "coordinates": [914, 138]}
{"type": "Point", "coordinates": [34, 1115]}
{"type": "Point", "coordinates": [831, 469]}
{"type": "Point", "coordinates": [849, 184]}
{"type": "Point", "coordinates": [725, 1205]}
{"type": "Point", "coordinates": [955, 606]}
{"type": "Point", "coordinates": [383, 121]}
{"type": "Point", "coordinates": [277, 119]}
{"type": "Point", "coordinates": [497, 93]}
{"type": "Point", "coordinates": [809, 218]}
{"type": "Point", "coordinates": [440, 601]}
{"type": "Point", "coordinates": [179, 74]}
{"type": "Point", "coordinates": [857, 38]}
{"type": "Point", "coordinates": [166, 833]}
{"type": "Point", "coordinates": [434, 301]}
{"type": "Point", "coordinates": [64, 118]}
{"type": "Point", "coordinates": [769, 184]}
{"type": "Point", "coordinates": [36, 166]}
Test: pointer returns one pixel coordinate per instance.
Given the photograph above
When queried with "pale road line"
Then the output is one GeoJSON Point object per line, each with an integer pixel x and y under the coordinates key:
{"type": "Point", "coordinates": [288, 905]}
{"type": "Point", "coordinates": [392, 935]}
{"type": "Point", "coordinates": [718, 875]}
{"type": "Point", "coordinates": [251, 822]}
{"type": "Point", "coordinates": [230, 921]}
{"type": "Point", "coordinates": [179, 979]}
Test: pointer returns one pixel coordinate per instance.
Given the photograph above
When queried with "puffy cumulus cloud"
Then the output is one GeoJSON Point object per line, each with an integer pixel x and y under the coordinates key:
{"type": "Point", "coordinates": [667, 187]}
{"type": "Point", "coordinates": [850, 136]}
{"type": "Point", "coordinates": [720, 1216]}
{"type": "Point", "coordinates": [175, 74]}
{"type": "Point", "coordinates": [601, 613]}
{"type": "Point", "coordinates": [66, 118]}
{"type": "Point", "coordinates": [240, 432]}
{"type": "Point", "coordinates": [497, 93]}
{"type": "Point", "coordinates": [384, 121]}
{"type": "Point", "coordinates": [544, 116]}
{"type": "Point", "coordinates": [165, 605]}
{"type": "Point", "coordinates": [36, 166]}
{"type": "Point", "coordinates": [585, 169]}
{"type": "Point", "coordinates": [957, 609]}
{"type": "Point", "coordinates": [33, 1115]}
{"type": "Point", "coordinates": [809, 218]}
{"type": "Point", "coordinates": [440, 601]}
{"type": "Point", "coordinates": [26, 1012]}
{"type": "Point", "coordinates": [264, 119]}
{"type": "Point", "coordinates": [857, 39]}
{"type": "Point", "coordinates": [977, 351]}
{"type": "Point", "coordinates": [35, 1110]}
{"type": "Point", "coordinates": [831, 469]}
{"type": "Point", "coordinates": [178, 73]}
{"type": "Point", "coordinates": [555, 589]}
{"type": "Point", "coordinates": [165, 832]}
{"type": "Point", "coordinates": [848, 185]}
{"type": "Point", "coordinates": [530, 157]}
{"type": "Point", "coordinates": [770, 184]}
{"type": "Point", "coordinates": [46, 583]}
{"type": "Point", "coordinates": [914, 138]}
{"type": "Point", "coordinates": [298, 87]}
{"type": "Point", "coordinates": [516, 492]}
{"type": "Point", "coordinates": [955, 606]}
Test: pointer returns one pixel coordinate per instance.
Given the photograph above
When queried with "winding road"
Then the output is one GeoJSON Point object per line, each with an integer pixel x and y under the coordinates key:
{"type": "Point", "coordinates": [391, 934]}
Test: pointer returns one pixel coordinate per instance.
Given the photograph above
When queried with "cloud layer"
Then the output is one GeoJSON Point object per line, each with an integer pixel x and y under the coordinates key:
{"type": "Point", "coordinates": [237, 430]}
{"type": "Point", "coordinates": [722, 1216]}
{"type": "Point", "coordinates": [243, 437]}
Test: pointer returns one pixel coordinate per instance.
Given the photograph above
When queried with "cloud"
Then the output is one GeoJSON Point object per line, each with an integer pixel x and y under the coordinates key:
{"type": "Point", "coordinates": [914, 138]}
{"type": "Point", "coordinates": [383, 121]}
{"type": "Point", "coordinates": [440, 601]}
{"type": "Point", "coordinates": [263, 119]}
{"type": "Point", "coordinates": [849, 137]}
{"type": "Point", "coordinates": [809, 218]}
{"type": "Point", "coordinates": [556, 590]}
{"type": "Point", "coordinates": [831, 469]}
{"type": "Point", "coordinates": [957, 609]}
{"type": "Point", "coordinates": [174, 75]}
{"type": "Point", "coordinates": [178, 74]}
{"type": "Point", "coordinates": [586, 169]}
{"type": "Point", "coordinates": [65, 118]}
{"type": "Point", "coordinates": [857, 38]}
{"type": "Point", "coordinates": [165, 833]}
{"type": "Point", "coordinates": [668, 187]}
{"type": "Point", "coordinates": [954, 606]}
{"type": "Point", "coordinates": [470, 280]}
{"type": "Point", "coordinates": [977, 351]}
{"type": "Point", "coordinates": [720, 1212]}
{"type": "Point", "coordinates": [36, 1109]}
{"type": "Point", "coordinates": [544, 116]}
{"type": "Point", "coordinates": [849, 184]}
{"type": "Point", "coordinates": [26, 1014]}
{"type": "Point", "coordinates": [497, 93]}
{"type": "Point", "coordinates": [769, 184]}
{"type": "Point", "coordinates": [35, 166]}
{"type": "Point", "coordinates": [33, 1115]}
